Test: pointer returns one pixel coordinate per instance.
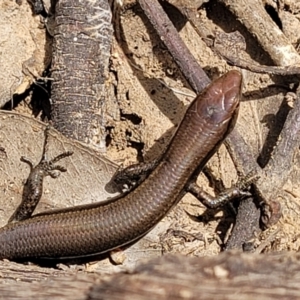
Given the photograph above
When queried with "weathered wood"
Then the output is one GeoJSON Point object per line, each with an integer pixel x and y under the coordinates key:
{"type": "Point", "coordinates": [27, 282]}
{"type": "Point", "coordinates": [231, 275]}
{"type": "Point", "coordinates": [81, 50]}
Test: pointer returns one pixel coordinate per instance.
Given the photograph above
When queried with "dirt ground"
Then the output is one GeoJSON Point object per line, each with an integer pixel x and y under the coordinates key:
{"type": "Point", "coordinates": [150, 98]}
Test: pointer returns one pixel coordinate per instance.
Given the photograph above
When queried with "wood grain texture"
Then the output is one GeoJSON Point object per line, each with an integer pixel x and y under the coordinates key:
{"type": "Point", "coordinates": [231, 275]}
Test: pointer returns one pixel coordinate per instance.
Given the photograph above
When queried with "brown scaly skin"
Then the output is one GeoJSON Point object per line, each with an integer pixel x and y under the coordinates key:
{"type": "Point", "coordinates": [101, 227]}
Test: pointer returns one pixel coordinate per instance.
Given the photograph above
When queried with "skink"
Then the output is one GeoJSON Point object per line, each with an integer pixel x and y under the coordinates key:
{"type": "Point", "coordinates": [101, 227]}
